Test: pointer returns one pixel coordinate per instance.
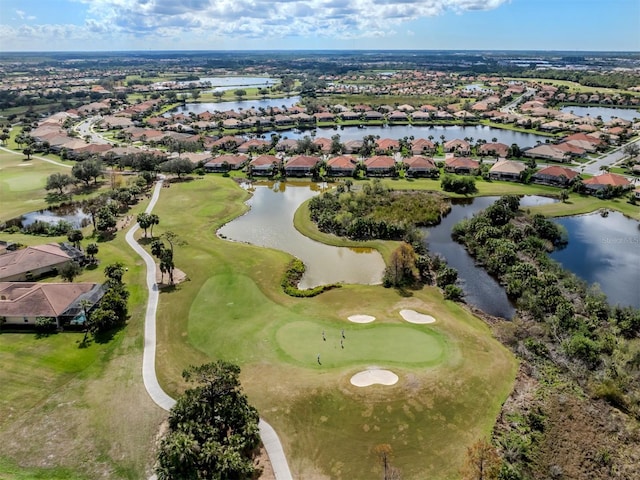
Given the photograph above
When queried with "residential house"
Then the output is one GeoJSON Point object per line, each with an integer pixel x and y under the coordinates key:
{"type": "Point", "coordinates": [23, 303]}
{"type": "Point", "coordinates": [342, 166]}
{"type": "Point", "coordinates": [352, 146]}
{"type": "Point", "coordinates": [421, 146]}
{"type": "Point", "coordinates": [349, 115]}
{"type": "Point", "coordinates": [325, 117]}
{"type": "Point", "coordinates": [324, 144]}
{"type": "Point", "coordinates": [603, 181]}
{"type": "Point", "coordinates": [301, 166]}
{"type": "Point", "coordinates": [636, 193]}
{"type": "Point", "coordinates": [457, 146]}
{"type": "Point", "coordinates": [494, 149]}
{"type": "Point", "coordinates": [387, 145]}
{"type": "Point", "coordinates": [461, 166]}
{"type": "Point", "coordinates": [253, 145]}
{"type": "Point", "coordinates": [224, 163]}
{"type": "Point", "coordinates": [548, 152]}
{"type": "Point", "coordinates": [418, 166]}
{"type": "Point", "coordinates": [264, 165]}
{"type": "Point", "coordinates": [372, 115]}
{"type": "Point", "coordinates": [33, 262]}
{"type": "Point", "coordinates": [380, 165]}
{"type": "Point", "coordinates": [397, 116]}
{"type": "Point", "coordinates": [555, 175]}
{"type": "Point", "coordinates": [507, 170]}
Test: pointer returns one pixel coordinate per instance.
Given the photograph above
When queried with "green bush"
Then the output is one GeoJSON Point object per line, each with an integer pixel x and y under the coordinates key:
{"type": "Point", "coordinates": [291, 278]}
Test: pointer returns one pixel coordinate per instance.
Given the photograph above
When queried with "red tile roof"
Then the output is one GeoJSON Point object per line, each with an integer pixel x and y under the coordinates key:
{"type": "Point", "coordinates": [608, 179]}
{"type": "Point", "coordinates": [556, 171]}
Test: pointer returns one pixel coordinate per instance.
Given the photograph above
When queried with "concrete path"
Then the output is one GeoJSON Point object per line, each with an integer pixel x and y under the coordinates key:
{"type": "Point", "coordinates": [268, 435]}
{"type": "Point", "coordinates": [8, 150]}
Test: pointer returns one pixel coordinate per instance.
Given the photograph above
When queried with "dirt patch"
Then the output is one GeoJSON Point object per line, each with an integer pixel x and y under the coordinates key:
{"type": "Point", "coordinates": [262, 462]}
{"type": "Point", "coordinates": [163, 280]}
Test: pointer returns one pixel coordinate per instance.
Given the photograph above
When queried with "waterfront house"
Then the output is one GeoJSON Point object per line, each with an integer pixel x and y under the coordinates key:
{"type": "Point", "coordinates": [418, 166]}
{"type": "Point", "coordinates": [507, 170]}
{"type": "Point", "coordinates": [342, 166]}
{"type": "Point", "coordinates": [555, 175]}
{"type": "Point", "coordinates": [380, 165]}
{"type": "Point", "coordinates": [461, 166]}
{"type": "Point", "coordinates": [301, 166]}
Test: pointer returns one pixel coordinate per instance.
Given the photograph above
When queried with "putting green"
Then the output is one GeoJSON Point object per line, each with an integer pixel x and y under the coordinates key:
{"type": "Point", "coordinates": [385, 344]}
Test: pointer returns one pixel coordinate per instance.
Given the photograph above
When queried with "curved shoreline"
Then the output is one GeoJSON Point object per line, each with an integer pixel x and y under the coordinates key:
{"type": "Point", "coordinates": [268, 435]}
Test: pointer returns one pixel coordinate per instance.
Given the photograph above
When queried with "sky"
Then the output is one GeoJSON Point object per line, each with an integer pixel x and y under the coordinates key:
{"type": "Point", "coordinates": [109, 25]}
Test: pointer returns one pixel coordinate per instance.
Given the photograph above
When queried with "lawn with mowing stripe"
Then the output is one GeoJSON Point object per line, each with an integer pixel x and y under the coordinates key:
{"type": "Point", "coordinates": [453, 376]}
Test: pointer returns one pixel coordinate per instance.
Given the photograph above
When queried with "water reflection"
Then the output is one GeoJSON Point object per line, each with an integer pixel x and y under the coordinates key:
{"type": "Point", "coordinates": [69, 213]}
{"type": "Point", "coordinates": [269, 223]}
{"type": "Point", "coordinates": [606, 251]}
{"type": "Point", "coordinates": [480, 288]}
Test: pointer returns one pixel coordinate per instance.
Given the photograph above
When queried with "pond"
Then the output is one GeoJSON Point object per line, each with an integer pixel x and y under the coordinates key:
{"type": "Point", "coordinates": [605, 251]}
{"type": "Point", "coordinates": [607, 113]}
{"type": "Point", "coordinates": [71, 213]}
{"type": "Point", "coordinates": [269, 223]}
{"type": "Point", "coordinates": [395, 132]}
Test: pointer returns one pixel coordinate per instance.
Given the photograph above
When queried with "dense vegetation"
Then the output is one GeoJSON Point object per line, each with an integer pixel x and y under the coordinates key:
{"type": "Point", "coordinates": [377, 212]}
{"type": "Point", "coordinates": [575, 348]}
{"type": "Point", "coordinates": [292, 276]}
{"type": "Point", "coordinates": [213, 430]}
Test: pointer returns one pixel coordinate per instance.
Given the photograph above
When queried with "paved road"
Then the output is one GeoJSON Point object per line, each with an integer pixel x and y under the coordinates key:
{"type": "Point", "coordinates": [607, 160]}
{"type": "Point", "coordinates": [268, 435]}
{"type": "Point", "coordinates": [85, 128]}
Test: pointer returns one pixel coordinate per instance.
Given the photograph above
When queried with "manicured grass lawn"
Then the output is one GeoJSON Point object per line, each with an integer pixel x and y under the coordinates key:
{"type": "Point", "coordinates": [453, 374]}
{"type": "Point", "coordinates": [22, 184]}
{"type": "Point", "coordinates": [78, 413]}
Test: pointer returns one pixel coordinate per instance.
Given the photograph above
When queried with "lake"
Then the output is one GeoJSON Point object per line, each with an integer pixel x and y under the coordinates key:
{"type": "Point", "coordinates": [606, 251]}
{"type": "Point", "coordinates": [607, 113]}
{"type": "Point", "coordinates": [600, 250]}
{"type": "Point", "coordinates": [269, 223]}
{"type": "Point", "coordinates": [396, 132]}
{"type": "Point", "coordinates": [198, 108]}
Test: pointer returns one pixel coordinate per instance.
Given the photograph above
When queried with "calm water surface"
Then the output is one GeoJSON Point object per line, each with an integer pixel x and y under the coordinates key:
{"type": "Point", "coordinates": [480, 288]}
{"type": "Point", "coordinates": [606, 251]}
{"type": "Point", "coordinates": [269, 223]}
{"type": "Point", "coordinates": [395, 132]}
{"type": "Point", "coordinates": [71, 214]}
{"type": "Point", "coordinates": [234, 105]}
{"type": "Point", "coordinates": [607, 113]}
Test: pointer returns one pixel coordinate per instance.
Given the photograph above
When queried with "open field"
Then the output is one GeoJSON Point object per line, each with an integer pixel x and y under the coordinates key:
{"type": "Point", "coordinates": [22, 184]}
{"type": "Point", "coordinates": [453, 375]}
{"type": "Point", "coordinates": [576, 87]}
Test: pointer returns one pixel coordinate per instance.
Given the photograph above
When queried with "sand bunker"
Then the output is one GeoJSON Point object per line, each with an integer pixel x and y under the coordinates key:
{"type": "Point", "coordinates": [361, 318]}
{"type": "Point", "coordinates": [374, 376]}
{"type": "Point", "coordinates": [412, 316]}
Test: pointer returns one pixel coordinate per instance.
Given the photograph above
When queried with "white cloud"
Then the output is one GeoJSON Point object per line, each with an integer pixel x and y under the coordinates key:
{"type": "Point", "coordinates": [22, 15]}
{"type": "Point", "coordinates": [194, 23]}
{"type": "Point", "coordinates": [273, 18]}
